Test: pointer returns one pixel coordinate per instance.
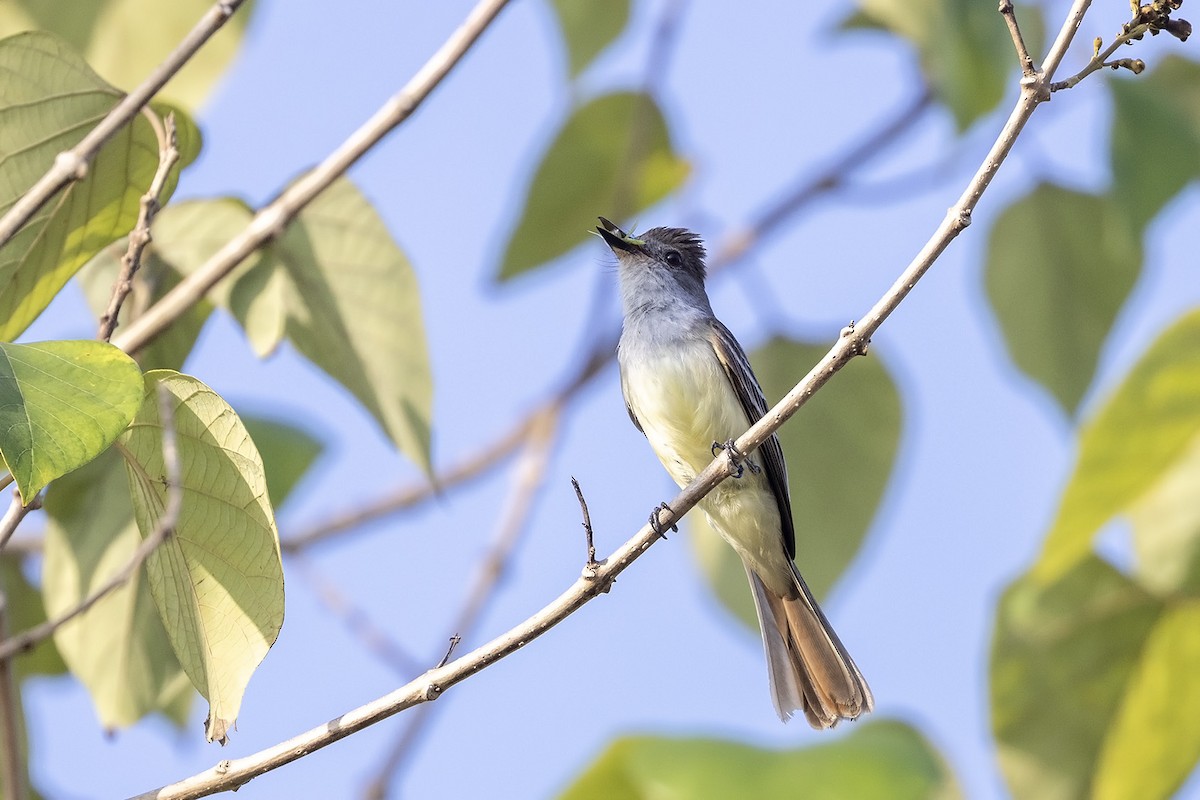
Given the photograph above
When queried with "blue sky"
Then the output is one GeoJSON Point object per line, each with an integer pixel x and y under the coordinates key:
{"type": "Point", "coordinates": [756, 101]}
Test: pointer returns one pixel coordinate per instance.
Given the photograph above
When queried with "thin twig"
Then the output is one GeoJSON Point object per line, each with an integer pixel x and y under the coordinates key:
{"type": "Point", "coordinates": [1014, 30]}
{"type": "Point", "coordinates": [271, 220]}
{"type": "Point", "coordinates": [589, 565]}
{"type": "Point", "coordinates": [528, 476]}
{"type": "Point", "coordinates": [454, 642]}
{"type": "Point", "coordinates": [72, 165]}
{"type": "Point", "coordinates": [601, 353]}
{"type": "Point", "coordinates": [1100, 58]}
{"type": "Point", "coordinates": [12, 773]}
{"type": "Point", "coordinates": [234, 773]}
{"type": "Point", "coordinates": [358, 622]}
{"type": "Point", "coordinates": [16, 512]}
{"type": "Point", "coordinates": [139, 237]}
{"type": "Point", "coordinates": [27, 640]}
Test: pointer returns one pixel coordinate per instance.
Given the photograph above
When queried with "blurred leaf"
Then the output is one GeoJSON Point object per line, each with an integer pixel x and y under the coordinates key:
{"type": "Point", "coordinates": [1062, 658]}
{"type": "Point", "coordinates": [589, 27]}
{"type": "Point", "coordinates": [61, 405]}
{"type": "Point", "coordinates": [49, 100]}
{"type": "Point", "coordinates": [1155, 137]}
{"type": "Point", "coordinates": [124, 40]}
{"type": "Point", "coordinates": [1154, 741]}
{"type": "Point", "coordinates": [153, 280]}
{"type": "Point", "coordinates": [1060, 265]}
{"type": "Point", "coordinates": [218, 580]}
{"type": "Point", "coordinates": [338, 286]}
{"type": "Point", "coordinates": [1137, 437]}
{"type": "Point", "coordinates": [877, 759]}
{"type": "Point", "coordinates": [840, 449]}
{"type": "Point", "coordinates": [118, 649]}
{"type": "Point", "coordinates": [963, 46]}
{"type": "Point", "coordinates": [612, 157]}
{"type": "Point", "coordinates": [287, 452]}
{"type": "Point", "coordinates": [1166, 528]}
{"type": "Point", "coordinates": [25, 610]}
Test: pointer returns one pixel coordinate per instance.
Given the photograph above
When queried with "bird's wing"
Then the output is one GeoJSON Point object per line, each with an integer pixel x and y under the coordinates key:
{"type": "Point", "coordinates": [737, 367]}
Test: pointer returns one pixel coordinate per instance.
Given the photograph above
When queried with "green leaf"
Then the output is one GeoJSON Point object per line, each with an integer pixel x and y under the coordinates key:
{"type": "Point", "coordinates": [124, 40]}
{"type": "Point", "coordinates": [338, 286]}
{"type": "Point", "coordinates": [840, 450]}
{"type": "Point", "coordinates": [588, 28]}
{"type": "Point", "coordinates": [1154, 740]}
{"type": "Point", "coordinates": [1138, 436]}
{"type": "Point", "coordinates": [1166, 528]}
{"type": "Point", "coordinates": [1062, 658]}
{"type": "Point", "coordinates": [49, 100]}
{"type": "Point", "coordinates": [118, 649]}
{"type": "Point", "coordinates": [1060, 265]}
{"type": "Point", "coordinates": [287, 452]}
{"type": "Point", "coordinates": [25, 610]}
{"type": "Point", "coordinates": [218, 580]}
{"type": "Point", "coordinates": [964, 47]}
{"type": "Point", "coordinates": [1155, 137]}
{"type": "Point", "coordinates": [61, 405]}
{"type": "Point", "coordinates": [877, 759]}
{"type": "Point", "coordinates": [613, 156]}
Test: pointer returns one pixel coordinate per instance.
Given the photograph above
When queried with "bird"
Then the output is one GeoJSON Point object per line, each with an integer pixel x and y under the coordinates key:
{"type": "Point", "coordinates": [688, 386]}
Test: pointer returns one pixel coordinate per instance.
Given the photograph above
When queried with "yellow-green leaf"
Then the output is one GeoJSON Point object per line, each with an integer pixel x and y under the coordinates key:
{"type": "Point", "coordinates": [612, 157]}
{"type": "Point", "coordinates": [61, 405]}
{"type": "Point", "coordinates": [49, 100]}
{"type": "Point", "coordinates": [877, 759]}
{"type": "Point", "coordinates": [588, 28]}
{"type": "Point", "coordinates": [217, 580]}
{"type": "Point", "coordinates": [1155, 137]}
{"type": "Point", "coordinates": [1062, 658]}
{"type": "Point", "coordinates": [124, 40]}
{"type": "Point", "coordinates": [1154, 741]}
{"type": "Point", "coordinates": [1136, 438]}
{"type": "Point", "coordinates": [1060, 265]}
{"type": "Point", "coordinates": [287, 452]}
{"type": "Point", "coordinates": [118, 649]}
{"type": "Point", "coordinates": [840, 449]}
{"type": "Point", "coordinates": [1166, 528]}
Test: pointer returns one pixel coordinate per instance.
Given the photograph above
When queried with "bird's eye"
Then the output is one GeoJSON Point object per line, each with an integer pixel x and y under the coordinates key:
{"type": "Point", "coordinates": [673, 258]}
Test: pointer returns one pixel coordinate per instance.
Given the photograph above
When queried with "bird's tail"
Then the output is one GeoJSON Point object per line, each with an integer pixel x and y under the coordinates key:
{"type": "Point", "coordinates": [810, 669]}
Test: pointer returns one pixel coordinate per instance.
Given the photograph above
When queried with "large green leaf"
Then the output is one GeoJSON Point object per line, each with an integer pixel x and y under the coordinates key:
{"type": "Point", "coordinates": [1140, 434]}
{"type": "Point", "coordinates": [61, 405]}
{"type": "Point", "coordinates": [877, 759]}
{"type": "Point", "coordinates": [1155, 137]}
{"type": "Point", "coordinates": [124, 40]}
{"type": "Point", "coordinates": [1166, 528]}
{"type": "Point", "coordinates": [1154, 740]}
{"type": "Point", "coordinates": [964, 47]}
{"type": "Point", "coordinates": [287, 452]}
{"type": "Point", "coordinates": [338, 286]}
{"type": "Point", "coordinates": [1094, 687]}
{"type": "Point", "coordinates": [588, 28]}
{"type": "Point", "coordinates": [840, 449]}
{"type": "Point", "coordinates": [218, 579]}
{"type": "Point", "coordinates": [49, 100]}
{"type": "Point", "coordinates": [613, 157]}
{"type": "Point", "coordinates": [1060, 265]}
{"type": "Point", "coordinates": [118, 649]}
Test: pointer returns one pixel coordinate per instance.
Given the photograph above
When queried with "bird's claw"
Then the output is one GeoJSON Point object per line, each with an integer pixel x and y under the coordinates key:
{"type": "Point", "coordinates": [656, 525]}
{"type": "Point", "coordinates": [736, 457]}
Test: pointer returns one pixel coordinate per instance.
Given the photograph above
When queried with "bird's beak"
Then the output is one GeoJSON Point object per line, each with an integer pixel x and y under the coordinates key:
{"type": "Point", "coordinates": [616, 238]}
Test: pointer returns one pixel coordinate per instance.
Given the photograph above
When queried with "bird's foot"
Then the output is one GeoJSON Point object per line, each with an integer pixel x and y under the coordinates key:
{"type": "Point", "coordinates": [656, 525]}
{"type": "Point", "coordinates": [736, 457]}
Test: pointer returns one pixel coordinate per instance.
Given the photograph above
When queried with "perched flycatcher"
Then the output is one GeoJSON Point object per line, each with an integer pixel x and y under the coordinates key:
{"type": "Point", "coordinates": [689, 388]}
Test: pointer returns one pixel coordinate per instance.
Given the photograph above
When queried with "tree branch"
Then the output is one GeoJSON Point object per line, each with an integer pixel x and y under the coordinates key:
{"type": "Point", "coordinates": [139, 237]}
{"type": "Point", "coordinates": [270, 220]}
{"type": "Point", "coordinates": [232, 774]}
{"type": "Point", "coordinates": [72, 165]}
{"type": "Point", "coordinates": [15, 513]}
{"type": "Point", "coordinates": [12, 780]}
{"type": "Point", "coordinates": [27, 640]}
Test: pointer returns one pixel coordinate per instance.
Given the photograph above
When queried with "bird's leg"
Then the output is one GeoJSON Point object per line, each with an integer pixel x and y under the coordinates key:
{"type": "Point", "coordinates": [656, 526]}
{"type": "Point", "coordinates": [736, 457]}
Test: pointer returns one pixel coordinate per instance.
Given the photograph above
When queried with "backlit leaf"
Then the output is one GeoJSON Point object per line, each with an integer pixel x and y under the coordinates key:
{"type": "Point", "coordinates": [588, 28]}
